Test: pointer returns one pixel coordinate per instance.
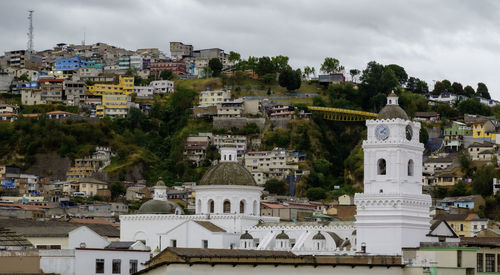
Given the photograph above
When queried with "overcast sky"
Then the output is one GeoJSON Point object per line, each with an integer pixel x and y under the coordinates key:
{"type": "Point", "coordinates": [432, 40]}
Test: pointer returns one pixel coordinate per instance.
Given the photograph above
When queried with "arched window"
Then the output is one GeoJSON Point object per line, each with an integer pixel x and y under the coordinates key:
{"type": "Point", "coordinates": [199, 206]}
{"type": "Point", "coordinates": [242, 207]}
{"type": "Point", "coordinates": [255, 211]}
{"type": "Point", "coordinates": [211, 206]}
{"type": "Point", "coordinates": [381, 168]}
{"type": "Point", "coordinates": [410, 167]}
{"type": "Point", "coordinates": [227, 206]}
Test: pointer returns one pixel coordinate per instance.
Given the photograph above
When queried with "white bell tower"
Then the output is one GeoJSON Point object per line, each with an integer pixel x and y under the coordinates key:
{"type": "Point", "coordinates": [392, 212]}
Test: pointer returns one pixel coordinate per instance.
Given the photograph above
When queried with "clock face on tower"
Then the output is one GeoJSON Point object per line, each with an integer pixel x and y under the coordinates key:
{"type": "Point", "coordinates": [409, 132]}
{"type": "Point", "coordinates": [382, 132]}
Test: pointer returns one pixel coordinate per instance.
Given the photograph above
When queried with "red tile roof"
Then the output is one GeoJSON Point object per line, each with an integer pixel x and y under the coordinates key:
{"type": "Point", "coordinates": [273, 205]}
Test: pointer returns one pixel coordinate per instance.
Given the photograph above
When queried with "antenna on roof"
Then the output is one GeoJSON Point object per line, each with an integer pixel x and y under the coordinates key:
{"type": "Point", "coordinates": [83, 42]}
{"type": "Point", "coordinates": [30, 32]}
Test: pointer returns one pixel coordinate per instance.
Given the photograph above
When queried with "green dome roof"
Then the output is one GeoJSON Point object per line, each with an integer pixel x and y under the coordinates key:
{"type": "Point", "coordinates": [228, 173]}
{"type": "Point", "coordinates": [157, 207]}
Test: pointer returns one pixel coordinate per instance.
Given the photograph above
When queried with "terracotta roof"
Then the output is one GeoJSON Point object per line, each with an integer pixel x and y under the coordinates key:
{"type": "Point", "coordinates": [481, 241]}
{"type": "Point", "coordinates": [190, 256]}
{"type": "Point", "coordinates": [94, 221]}
{"type": "Point", "coordinates": [9, 238]}
{"type": "Point", "coordinates": [273, 205]}
{"type": "Point", "coordinates": [53, 228]}
{"type": "Point", "coordinates": [23, 206]}
{"type": "Point", "coordinates": [30, 115]}
{"type": "Point", "coordinates": [210, 226]}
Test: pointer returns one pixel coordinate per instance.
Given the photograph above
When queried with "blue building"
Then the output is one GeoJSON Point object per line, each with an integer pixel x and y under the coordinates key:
{"type": "Point", "coordinates": [472, 202]}
{"type": "Point", "coordinates": [70, 64]}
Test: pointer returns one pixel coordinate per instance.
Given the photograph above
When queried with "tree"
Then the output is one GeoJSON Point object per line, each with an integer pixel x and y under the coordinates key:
{"type": "Point", "coordinates": [443, 86]}
{"type": "Point", "coordinates": [307, 71]}
{"type": "Point", "coordinates": [399, 72]}
{"type": "Point", "coordinates": [482, 91]}
{"type": "Point", "coordinates": [24, 77]}
{"type": "Point", "coordinates": [269, 78]}
{"type": "Point", "coordinates": [354, 73]}
{"type": "Point", "coordinates": [457, 88]}
{"type": "Point", "coordinates": [117, 189]}
{"type": "Point", "coordinates": [469, 91]}
{"type": "Point", "coordinates": [290, 79]}
{"type": "Point", "coordinates": [376, 84]}
{"type": "Point", "coordinates": [275, 186]}
{"type": "Point", "coordinates": [252, 63]}
{"type": "Point", "coordinates": [422, 87]}
{"type": "Point", "coordinates": [316, 193]}
{"type": "Point", "coordinates": [423, 136]}
{"type": "Point", "coordinates": [264, 66]}
{"type": "Point", "coordinates": [473, 106]}
{"type": "Point", "coordinates": [280, 63]}
{"type": "Point", "coordinates": [216, 66]}
{"type": "Point", "coordinates": [233, 56]}
{"type": "Point", "coordinates": [465, 164]}
{"type": "Point", "coordinates": [331, 65]}
{"type": "Point", "coordinates": [482, 180]}
{"type": "Point", "coordinates": [166, 74]}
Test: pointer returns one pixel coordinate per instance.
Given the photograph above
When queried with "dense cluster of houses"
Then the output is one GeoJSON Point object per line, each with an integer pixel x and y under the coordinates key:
{"type": "Point", "coordinates": [97, 77]}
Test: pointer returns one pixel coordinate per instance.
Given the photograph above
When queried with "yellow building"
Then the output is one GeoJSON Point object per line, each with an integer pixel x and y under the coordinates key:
{"type": "Point", "coordinates": [447, 179]}
{"type": "Point", "coordinates": [114, 97]}
{"type": "Point", "coordinates": [484, 129]}
{"type": "Point", "coordinates": [76, 173]}
{"type": "Point", "coordinates": [465, 225]}
{"type": "Point", "coordinates": [90, 186]}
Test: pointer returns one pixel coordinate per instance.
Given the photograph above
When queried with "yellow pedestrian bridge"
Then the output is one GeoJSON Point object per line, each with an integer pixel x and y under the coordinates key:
{"type": "Point", "coordinates": [339, 114]}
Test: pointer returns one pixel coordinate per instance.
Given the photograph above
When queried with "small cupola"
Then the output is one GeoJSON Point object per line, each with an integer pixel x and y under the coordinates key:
{"type": "Point", "coordinates": [392, 99]}
{"type": "Point", "coordinates": [228, 154]}
{"type": "Point", "coordinates": [160, 190]}
{"type": "Point", "coordinates": [246, 241]}
{"type": "Point", "coordinates": [282, 241]}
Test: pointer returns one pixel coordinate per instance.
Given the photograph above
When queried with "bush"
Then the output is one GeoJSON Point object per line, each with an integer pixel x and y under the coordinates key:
{"type": "Point", "coordinates": [275, 186]}
{"type": "Point", "coordinates": [316, 193]}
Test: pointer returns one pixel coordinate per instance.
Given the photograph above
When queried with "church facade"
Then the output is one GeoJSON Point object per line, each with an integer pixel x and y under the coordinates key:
{"type": "Point", "coordinates": [392, 213]}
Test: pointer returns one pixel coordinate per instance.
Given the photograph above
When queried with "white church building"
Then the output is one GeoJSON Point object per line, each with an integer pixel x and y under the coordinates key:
{"type": "Point", "coordinates": [392, 213]}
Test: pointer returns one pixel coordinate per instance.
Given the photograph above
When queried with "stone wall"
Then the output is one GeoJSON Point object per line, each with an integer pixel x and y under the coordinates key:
{"type": "Point", "coordinates": [238, 122]}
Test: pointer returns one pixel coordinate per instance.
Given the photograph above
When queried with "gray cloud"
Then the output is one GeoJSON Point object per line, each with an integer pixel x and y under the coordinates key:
{"type": "Point", "coordinates": [433, 40]}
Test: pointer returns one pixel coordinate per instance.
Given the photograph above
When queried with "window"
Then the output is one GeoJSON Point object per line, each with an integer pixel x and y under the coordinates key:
{"type": "Point", "coordinates": [490, 263]}
{"type": "Point", "coordinates": [242, 207]}
{"type": "Point", "coordinates": [461, 227]}
{"type": "Point", "coordinates": [459, 258]}
{"type": "Point", "coordinates": [211, 206]}
{"type": "Point", "coordinates": [204, 243]}
{"type": "Point", "coordinates": [410, 168]}
{"type": "Point", "coordinates": [116, 268]}
{"type": "Point", "coordinates": [173, 243]}
{"type": "Point", "coordinates": [99, 266]}
{"type": "Point", "coordinates": [133, 266]}
{"type": "Point", "coordinates": [498, 263]}
{"type": "Point", "coordinates": [479, 262]}
{"type": "Point", "coordinates": [227, 206]}
{"type": "Point", "coordinates": [381, 167]}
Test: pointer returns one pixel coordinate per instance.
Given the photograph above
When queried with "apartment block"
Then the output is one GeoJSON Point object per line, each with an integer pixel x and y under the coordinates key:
{"type": "Point", "coordinates": [162, 86]}
{"type": "Point", "coordinates": [230, 108]}
{"type": "Point", "coordinates": [213, 98]}
{"type": "Point", "coordinates": [231, 141]}
{"type": "Point", "coordinates": [196, 148]}
{"type": "Point", "coordinates": [275, 164]}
